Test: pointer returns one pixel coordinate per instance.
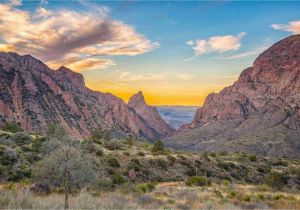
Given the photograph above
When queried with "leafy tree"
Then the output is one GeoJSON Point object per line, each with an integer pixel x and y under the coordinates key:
{"type": "Point", "coordinates": [12, 127]}
{"type": "Point", "coordinates": [158, 147]}
{"type": "Point", "coordinates": [65, 164]}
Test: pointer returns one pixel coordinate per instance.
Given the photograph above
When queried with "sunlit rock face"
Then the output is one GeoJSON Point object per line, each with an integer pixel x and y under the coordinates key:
{"type": "Point", "coordinates": [258, 113]}
{"type": "Point", "coordinates": [35, 96]}
{"type": "Point", "coordinates": [150, 115]}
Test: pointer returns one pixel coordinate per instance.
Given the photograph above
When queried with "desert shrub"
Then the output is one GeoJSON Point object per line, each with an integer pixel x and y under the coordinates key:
{"type": "Point", "coordinates": [190, 171]}
{"type": "Point", "coordinates": [226, 182]}
{"type": "Point", "coordinates": [232, 194]}
{"type": "Point", "coordinates": [126, 153]}
{"type": "Point", "coordinates": [99, 152]}
{"type": "Point", "coordinates": [171, 158]}
{"type": "Point", "coordinates": [133, 166]}
{"type": "Point", "coordinates": [12, 127]}
{"type": "Point", "coordinates": [9, 157]}
{"type": "Point", "coordinates": [223, 153]}
{"type": "Point", "coordinates": [161, 163]}
{"type": "Point", "coordinates": [112, 145]}
{"type": "Point", "coordinates": [198, 181]}
{"type": "Point", "coordinates": [96, 136]}
{"type": "Point", "coordinates": [275, 180]}
{"type": "Point", "coordinates": [105, 184]}
{"type": "Point", "coordinates": [295, 171]}
{"type": "Point", "coordinates": [158, 147]}
{"type": "Point", "coordinates": [135, 160]}
{"type": "Point", "coordinates": [252, 158]}
{"type": "Point", "coordinates": [278, 162]}
{"type": "Point", "coordinates": [19, 173]}
{"type": "Point", "coordinates": [21, 138]}
{"type": "Point", "coordinates": [145, 187]}
{"type": "Point", "coordinates": [113, 162]}
{"type": "Point", "coordinates": [140, 153]}
{"type": "Point", "coordinates": [264, 169]}
{"type": "Point", "coordinates": [212, 154]}
{"type": "Point", "coordinates": [118, 179]}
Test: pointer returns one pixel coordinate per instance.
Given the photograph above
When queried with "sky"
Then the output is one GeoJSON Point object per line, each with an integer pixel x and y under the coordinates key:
{"type": "Point", "coordinates": [176, 52]}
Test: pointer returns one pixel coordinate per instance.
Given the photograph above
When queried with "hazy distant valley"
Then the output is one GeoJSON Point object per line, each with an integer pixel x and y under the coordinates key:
{"type": "Point", "coordinates": [177, 116]}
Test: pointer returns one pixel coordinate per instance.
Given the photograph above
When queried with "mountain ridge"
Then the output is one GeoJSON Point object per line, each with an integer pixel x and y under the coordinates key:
{"type": "Point", "coordinates": [35, 96]}
{"type": "Point", "coordinates": [259, 113]}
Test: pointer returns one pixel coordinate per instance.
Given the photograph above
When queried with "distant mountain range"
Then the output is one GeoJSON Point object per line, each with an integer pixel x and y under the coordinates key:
{"type": "Point", "coordinates": [176, 116]}
{"type": "Point", "coordinates": [36, 96]}
{"type": "Point", "coordinates": [259, 113]}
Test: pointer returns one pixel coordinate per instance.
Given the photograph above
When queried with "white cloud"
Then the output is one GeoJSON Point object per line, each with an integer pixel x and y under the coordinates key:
{"type": "Point", "coordinates": [130, 77]}
{"type": "Point", "coordinates": [293, 27]}
{"type": "Point", "coordinates": [57, 36]}
{"type": "Point", "coordinates": [246, 54]}
{"type": "Point", "coordinates": [217, 44]}
{"type": "Point", "coordinates": [15, 2]}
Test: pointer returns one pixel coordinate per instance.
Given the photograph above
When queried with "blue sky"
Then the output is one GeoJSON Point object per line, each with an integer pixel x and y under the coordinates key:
{"type": "Point", "coordinates": [170, 71]}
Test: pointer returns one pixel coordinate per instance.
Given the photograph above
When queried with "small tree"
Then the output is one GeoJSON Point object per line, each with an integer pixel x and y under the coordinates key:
{"type": "Point", "coordinates": [158, 147]}
{"type": "Point", "coordinates": [65, 165]}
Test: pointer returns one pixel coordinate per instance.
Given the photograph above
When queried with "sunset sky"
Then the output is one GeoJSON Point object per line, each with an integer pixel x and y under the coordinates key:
{"type": "Point", "coordinates": [175, 52]}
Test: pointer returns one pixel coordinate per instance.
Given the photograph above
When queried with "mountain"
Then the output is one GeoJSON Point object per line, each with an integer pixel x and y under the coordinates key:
{"type": "Point", "coordinates": [149, 114]}
{"type": "Point", "coordinates": [259, 113]}
{"type": "Point", "coordinates": [35, 96]}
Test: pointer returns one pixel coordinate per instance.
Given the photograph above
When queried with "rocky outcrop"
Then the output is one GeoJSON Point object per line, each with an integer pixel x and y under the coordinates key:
{"type": "Point", "coordinates": [36, 96]}
{"type": "Point", "coordinates": [150, 115]}
{"type": "Point", "coordinates": [259, 113]}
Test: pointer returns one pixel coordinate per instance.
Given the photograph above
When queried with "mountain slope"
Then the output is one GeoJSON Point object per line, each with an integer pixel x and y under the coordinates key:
{"type": "Point", "coordinates": [36, 96]}
{"type": "Point", "coordinates": [258, 113]}
{"type": "Point", "coordinates": [149, 114]}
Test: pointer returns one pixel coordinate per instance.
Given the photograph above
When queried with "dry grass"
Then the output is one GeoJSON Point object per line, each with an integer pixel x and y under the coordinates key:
{"type": "Point", "coordinates": [173, 195]}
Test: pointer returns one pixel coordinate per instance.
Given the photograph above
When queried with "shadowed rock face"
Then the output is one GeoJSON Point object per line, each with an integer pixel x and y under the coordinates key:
{"type": "Point", "coordinates": [36, 96]}
{"type": "Point", "coordinates": [258, 113]}
{"type": "Point", "coordinates": [150, 115]}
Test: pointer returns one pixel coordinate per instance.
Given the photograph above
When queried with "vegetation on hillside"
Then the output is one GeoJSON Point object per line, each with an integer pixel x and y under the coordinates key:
{"type": "Point", "coordinates": [130, 169]}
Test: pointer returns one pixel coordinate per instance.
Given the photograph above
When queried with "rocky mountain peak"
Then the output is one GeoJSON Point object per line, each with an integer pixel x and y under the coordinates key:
{"type": "Point", "coordinates": [149, 114]}
{"type": "Point", "coordinates": [260, 111]}
{"type": "Point", "coordinates": [36, 96]}
{"type": "Point", "coordinates": [73, 77]}
{"type": "Point", "coordinates": [137, 99]}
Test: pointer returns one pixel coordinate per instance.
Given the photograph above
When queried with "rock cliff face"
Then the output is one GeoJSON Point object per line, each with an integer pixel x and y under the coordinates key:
{"type": "Point", "coordinates": [36, 96]}
{"type": "Point", "coordinates": [150, 115]}
{"type": "Point", "coordinates": [259, 113]}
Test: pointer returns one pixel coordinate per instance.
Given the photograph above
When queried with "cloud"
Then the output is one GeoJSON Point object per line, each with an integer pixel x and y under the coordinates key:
{"type": "Point", "coordinates": [246, 54]}
{"type": "Point", "coordinates": [183, 76]}
{"type": "Point", "coordinates": [55, 36]}
{"type": "Point", "coordinates": [130, 77]}
{"type": "Point", "coordinates": [216, 44]}
{"type": "Point", "coordinates": [15, 2]}
{"type": "Point", "coordinates": [293, 27]}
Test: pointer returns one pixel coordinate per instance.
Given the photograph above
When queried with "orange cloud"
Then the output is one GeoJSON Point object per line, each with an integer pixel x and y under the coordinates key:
{"type": "Point", "coordinates": [56, 36]}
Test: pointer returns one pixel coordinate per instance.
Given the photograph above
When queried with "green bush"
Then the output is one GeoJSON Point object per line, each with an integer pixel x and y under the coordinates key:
{"type": "Point", "coordinates": [198, 181]}
{"type": "Point", "coordinates": [113, 162]}
{"type": "Point", "coordinates": [105, 184]}
{"type": "Point", "coordinates": [118, 179]}
{"type": "Point", "coordinates": [252, 158]}
{"type": "Point", "coordinates": [275, 180]}
{"type": "Point", "coordinates": [12, 127]}
{"type": "Point", "coordinates": [158, 147]}
{"type": "Point", "coordinates": [171, 158]}
{"type": "Point", "coordinates": [141, 154]}
{"type": "Point", "coordinates": [21, 138]}
{"type": "Point", "coordinates": [145, 187]}
{"type": "Point", "coordinates": [113, 145]}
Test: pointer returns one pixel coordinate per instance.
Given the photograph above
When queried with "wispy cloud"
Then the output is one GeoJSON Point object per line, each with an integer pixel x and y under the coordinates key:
{"type": "Point", "coordinates": [293, 26]}
{"type": "Point", "coordinates": [246, 54]}
{"type": "Point", "coordinates": [55, 36]}
{"type": "Point", "coordinates": [129, 77]}
{"type": "Point", "coordinates": [217, 44]}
